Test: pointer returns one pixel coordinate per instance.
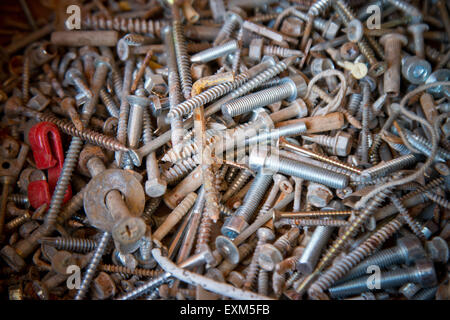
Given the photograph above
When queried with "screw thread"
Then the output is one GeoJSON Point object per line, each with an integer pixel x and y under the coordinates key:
{"type": "Point", "coordinates": [204, 232]}
{"type": "Point", "coordinates": [90, 136]}
{"type": "Point", "coordinates": [263, 282]}
{"type": "Point", "coordinates": [280, 51]}
{"type": "Point", "coordinates": [20, 199]}
{"type": "Point", "coordinates": [180, 169]}
{"type": "Point", "coordinates": [287, 241]}
{"type": "Point", "coordinates": [14, 223]}
{"type": "Point", "coordinates": [183, 61]}
{"type": "Point", "coordinates": [254, 196]}
{"type": "Point", "coordinates": [71, 207]}
{"type": "Point", "coordinates": [237, 184]}
{"type": "Point", "coordinates": [252, 269]}
{"type": "Point", "coordinates": [226, 30]}
{"type": "Point", "coordinates": [149, 27]}
{"type": "Point", "coordinates": [414, 225]}
{"type": "Point", "coordinates": [109, 103]}
{"type": "Point", "coordinates": [407, 8]}
{"type": "Point", "coordinates": [259, 99]}
{"type": "Point", "coordinates": [128, 271]}
{"type": "Point", "coordinates": [343, 266]}
{"type": "Point", "coordinates": [438, 199]}
{"type": "Point", "coordinates": [390, 166]}
{"type": "Point", "coordinates": [93, 264]}
{"type": "Point", "coordinates": [150, 207]}
{"type": "Point", "coordinates": [319, 7]}
{"type": "Point", "coordinates": [70, 244]}
{"type": "Point", "coordinates": [207, 96]}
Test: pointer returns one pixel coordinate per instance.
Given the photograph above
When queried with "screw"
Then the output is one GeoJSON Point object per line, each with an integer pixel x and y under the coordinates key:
{"type": "Point", "coordinates": [215, 52]}
{"type": "Point", "coordinates": [415, 70]}
{"type": "Point", "coordinates": [233, 19]}
{"type": "Point", "coordinates": [422, 273]}
{"type": "Point", "coordinates": [73, 77]}
{"type": "Point", "coordinates": [70, 244]}
{"type": "Point", "coordinates": [340, 144]}
{"type": "Point", "coordinates": [290, 89]}
{"type": "Point", "coordinates": [417, 31]}
{"type": "Point", "coordinates": [410, 10]}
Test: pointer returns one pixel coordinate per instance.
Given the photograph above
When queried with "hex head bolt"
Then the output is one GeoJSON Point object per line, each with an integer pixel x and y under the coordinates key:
{"type": "Point", "coordinates": [417, 31]}
{"type": "Point", "coordinates": [272, 254]}
{"type": "Point", "coordinates": [73, 77]}
{"type": "Point", "coordinates": [329, 28]}
{"type": "Point", "coordinates": [340, 144]}
{"type": "Point", "coordinates": [422, 273]}
{"type": "Point", "coordinates": [264, 235]}
{"type": "Point", "coordinates": [215, 52]}
{"type": "Point", "coordinates": [259, 159]}
{"type": "Point", "coordinates": [408, 250]}
{"type": "Point", "coordinates": [289, 89]}
{"type": "Point", "coordinates": [393, 43]}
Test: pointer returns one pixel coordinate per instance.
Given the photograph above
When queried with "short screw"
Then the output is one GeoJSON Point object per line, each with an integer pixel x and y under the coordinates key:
{"type": "Point", "coordinates": [272, 254]}
{"type": "Point", "coordinates": [417, 31]}
{"type": "Point", "coordinates": [74, 77]}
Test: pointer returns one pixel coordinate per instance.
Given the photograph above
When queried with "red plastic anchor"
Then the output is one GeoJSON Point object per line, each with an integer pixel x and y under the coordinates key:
{"type": "Point", "coordinates": [46, 145]}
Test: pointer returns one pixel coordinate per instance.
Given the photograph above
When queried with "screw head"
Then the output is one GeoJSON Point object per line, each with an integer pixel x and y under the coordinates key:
{"type": "Point", "coordinates": [269, 257]}
{"type": "Point", "coordinates": [233, 226]}
{"type": "Point", "coordinates": [227, 249]}
{"type": "Point", "coordinates": [355, 30]}
{"type": "Point", "coordinates": [265, 234]}
{"type": "Point", "coordinates": [415, 70]}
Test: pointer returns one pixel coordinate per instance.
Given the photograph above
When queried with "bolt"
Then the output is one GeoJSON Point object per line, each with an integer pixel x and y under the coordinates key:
{"type": "Point", "coordinates": [340, 144]}
{"type": "Point", "coordinates": [259, 159]}
{"type": "Point", "coordinates": [422, 273]}
{"type": "Point", "coordinates": [234, 225]}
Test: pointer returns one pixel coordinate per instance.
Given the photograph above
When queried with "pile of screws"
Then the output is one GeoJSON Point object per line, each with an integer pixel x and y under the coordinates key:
{"type": "Point", "coordinates": [227, 149]}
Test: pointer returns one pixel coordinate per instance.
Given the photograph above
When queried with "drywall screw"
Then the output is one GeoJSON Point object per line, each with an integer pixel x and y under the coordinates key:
{"type": "Point", "coordinates": [423, 273]}
{"type": "Point", "coordinates": [264, 235]}
{"type": "Point", "coordinates": [376, 68]}
{"type": "Point", "coordinates": [70, 244]}
{"type": "Point", "coordinates": [392, 43]}
{"type": "Point", "coordinates": [410, 10]}
{"type": "Point", "coordinates": [290, 89]}
{"type": "Point", "coordinates": [259, 159]}
{"type": "Point", "coordinates": [233, 19]}
{"type": "Point", "coordinates": [93, 264]}
{"type": "Point", "coordinates": [319, 239]}
{"type": "Point", "coordinates": [272, 254]}
{"type": "Point", "coordinates": [13, 107]}
{"type": "Point", "coordinates": [234, 225]}
{"type": "Point", "coordinates": [408, 250]}
{"type": "Point", "coordinates": [343, 266]}
{"type": "Point", "coordinates": [215, 52]}
{"type": "Point", "coordinates": [175, 216]}
{"type": "Point", "coordinates": [73, 77]}
{"type": "Point", "coordinates": [417, 31]}
{"type": "Point", "coordinates": [339, 144]}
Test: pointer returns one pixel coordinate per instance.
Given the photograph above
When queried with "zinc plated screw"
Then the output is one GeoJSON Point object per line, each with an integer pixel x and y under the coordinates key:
{"type": "Point", "coordinates": [422, 273]}
{"type": "Point", "coordinates": [259, 159]}
{"type": "Point", "coordinates": [234, 225]}
{"type": "Point", "coordinates": [289, 89]}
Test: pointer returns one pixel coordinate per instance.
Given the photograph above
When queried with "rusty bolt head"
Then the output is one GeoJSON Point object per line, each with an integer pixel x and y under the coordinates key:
{"type": "Point", "coordinates": [292, 26]}
{"type": "Point", "coordinates": [318, 195]}
{"type": "Point", "coordinates": [343, 144]}
{"type": "Point", "coordinates": [104, 286]}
